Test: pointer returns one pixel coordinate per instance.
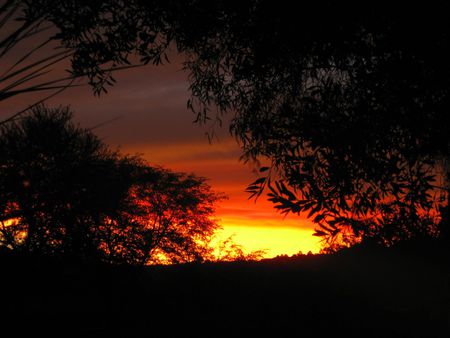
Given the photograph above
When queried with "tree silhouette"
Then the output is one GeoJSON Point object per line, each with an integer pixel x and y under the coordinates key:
{"type": "Point", "coordinates": [62, 191]}
{"type": "Point", "coordinates": [167, 217]}
{"type": "Point", "coordinates": [55, 180]}
{"type": "Point", "coordinates": [228, 251]}
{"type": "Point", "coordinates": [348, 105]}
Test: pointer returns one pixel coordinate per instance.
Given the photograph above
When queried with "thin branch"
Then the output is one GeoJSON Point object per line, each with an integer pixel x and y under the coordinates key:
{"type": "Point", "coordinates": [26, 56]}
{"type": "Point", "coordinates": [12, 39]}
{"type": "Point", "coordinates": [101, 124]}
{"type": "Point", "coordinates": [113, 69]}
{"type": "Point", "coordinates": [4, 94]}
{"type": "Point", "coordinates": [28, 77]}
{"type": "Point", "coordinates": [16, 115]}
{"type": "Point", "coordinates": [10, 14]}
{"type": "Point", "coordinates": [31, 90]}
{"type": "Point", "coordinates": [29, 31]}
{"type": "Point", "coordinates": [34, 74]}
{"type": "Point", "coordinates": [38, 87]}
{"type": "Point", "coordinates": [64, 54]}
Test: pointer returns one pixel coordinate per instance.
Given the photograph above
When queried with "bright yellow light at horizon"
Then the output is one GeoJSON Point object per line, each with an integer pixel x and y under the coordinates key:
{"type": "Point", "coordinates": [275, 240]}
{"type": "Point", "coordinates": [254, 226]}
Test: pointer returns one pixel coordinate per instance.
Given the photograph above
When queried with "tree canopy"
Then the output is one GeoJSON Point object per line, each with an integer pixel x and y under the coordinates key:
{"type": "Point", "coordinates": [62, 191]}
{"type": "Point", "coordinates": [350, 106]}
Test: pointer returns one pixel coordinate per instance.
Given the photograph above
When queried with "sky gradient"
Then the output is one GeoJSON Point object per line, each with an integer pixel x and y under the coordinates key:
{"type": "Point", "coordinates": [148, 115]}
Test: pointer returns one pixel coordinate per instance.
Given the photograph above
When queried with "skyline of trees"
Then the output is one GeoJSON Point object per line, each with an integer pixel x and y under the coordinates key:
{"type": "Point", "coordinates": [352, 114]}
{"type": "Point", "coordinates": [65, 192]}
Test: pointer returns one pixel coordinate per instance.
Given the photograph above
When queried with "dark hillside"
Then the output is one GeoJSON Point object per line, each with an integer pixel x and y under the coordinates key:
{"type": "Point", "coordinates": [384, 293]}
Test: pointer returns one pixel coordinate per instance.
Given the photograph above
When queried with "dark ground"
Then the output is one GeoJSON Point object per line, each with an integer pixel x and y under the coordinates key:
{"type": "Point", "coordinates": [359, 293]}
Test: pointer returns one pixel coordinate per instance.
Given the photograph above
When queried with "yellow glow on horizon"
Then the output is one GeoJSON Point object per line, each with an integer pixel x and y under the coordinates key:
{"type": "Point", "coordinates": [275, 240]}
{"type": "Point", "coordinates": [254, 225]}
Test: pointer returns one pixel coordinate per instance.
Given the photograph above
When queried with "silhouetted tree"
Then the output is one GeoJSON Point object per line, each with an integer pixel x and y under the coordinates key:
{"type": "Point", "coordinates": [348, 105]}
{"type": "Point", "coordinates": [57, 180]}
{"type": "Point", "coordinates": [63, 191]}
{"type": "Point", "coordinates": [226, 250]}
{"type": "Point", "coordinates": [167, 217]}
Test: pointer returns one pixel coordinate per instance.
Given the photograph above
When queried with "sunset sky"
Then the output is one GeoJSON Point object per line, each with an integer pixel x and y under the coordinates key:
{"type": "Point", "coordinates": [148, 109]}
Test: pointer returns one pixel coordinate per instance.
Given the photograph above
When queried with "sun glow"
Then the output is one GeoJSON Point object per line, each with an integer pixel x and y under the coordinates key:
{"type": "Point", "coordinates": [254, 225]}
{"type": "Point", "coordinates": [274, 240]}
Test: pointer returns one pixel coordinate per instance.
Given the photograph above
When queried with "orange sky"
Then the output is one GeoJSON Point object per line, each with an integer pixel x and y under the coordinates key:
{"type": "Point", "coordinates": [255, 225]}
{"type": "Point", "coordinates": [154, 121]}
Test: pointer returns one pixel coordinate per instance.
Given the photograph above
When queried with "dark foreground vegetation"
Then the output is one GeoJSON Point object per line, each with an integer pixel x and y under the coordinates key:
{"type": "Point", "coordinates": [350, 111]}
{"type": "Point", "coordinates": [393, 292]}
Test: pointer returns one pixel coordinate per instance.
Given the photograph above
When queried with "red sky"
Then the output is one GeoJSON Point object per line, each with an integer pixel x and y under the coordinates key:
{"type": "Point", "coordinates": [153, 120]}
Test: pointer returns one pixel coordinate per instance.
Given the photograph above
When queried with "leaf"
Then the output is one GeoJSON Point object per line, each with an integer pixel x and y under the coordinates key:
{"type": "Point", "coordinates": [296, 208]}
{"type": "Point", "coordinates": [259, 181]}
{"type": "Point", "coordinates": [318, 218]}
{"type": "Point", "coordinates": [314, 210]}
{"type": "Point", "coordinates": [319, 233]}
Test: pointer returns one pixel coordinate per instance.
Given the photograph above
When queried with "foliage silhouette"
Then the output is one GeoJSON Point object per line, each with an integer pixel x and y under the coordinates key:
{"type": "Point", "coordinates": [348, 105]}
{"type": "Point", "coordinates": [62, 191]}
{"type": "Point", "coordinates": [226, 250]}
{"type": "Point", "coordinates": [167, 218]}
{"type": "Point", "coordinates": [31, 55]}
